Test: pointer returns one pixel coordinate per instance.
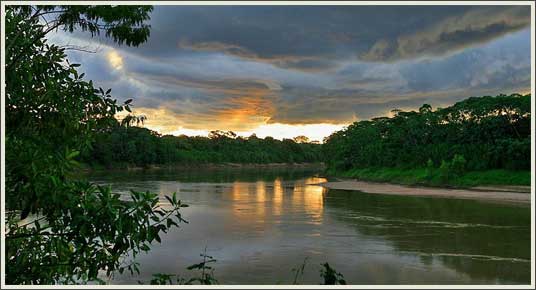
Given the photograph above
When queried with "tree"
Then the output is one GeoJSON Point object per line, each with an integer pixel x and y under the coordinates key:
{"type": "Point", "coordinates": [301, 139]}
{"type": "Point", "coordinates": [131, 120]}
{"type": "Point", "coordinates": [478, 133]}
{"type": "Point", "coordinates": [60, 229]}
{"type": "Point", "coordinates": [218, 134]}
{"type": "Point", "coordinates": [124, 24]}
{"type": "Point", "coordinates": [124, 145]}
{"type": "Point", "coordinates": [425, 109]}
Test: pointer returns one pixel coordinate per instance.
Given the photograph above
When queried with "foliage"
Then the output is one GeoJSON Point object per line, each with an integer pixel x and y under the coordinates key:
{"type": "Point", "coordinates": [207, 272]}
{"type": "Point", "coordinates": [445, 172]}
{"type": "Point", "coordinates": [479, 133]}
{"type": "Point", "coordinates": [301, 139]}
{"type": "Point", "coordinates": [458, 164]}
{"type": "Point", "coordinates": [26, 26]}
{"type": "Point", "coordinates": [298, 272]}
{"type": "Point", "coordinates": [161, 279]}
{"type": "Point", "coordinates": [432, 176]}
{"type": "Point", "coordinates": [206, 278]}
{"type": "Point", "coordinates": [142, 147]}
{"type": "Point", "coordinates": [331, 277]}
{"type": "Point", "coordinates": [429, 169]}
{"type": "Point", "coordinates": [452, 170]}
{"type": "Point", "coordinates": [58, 229]}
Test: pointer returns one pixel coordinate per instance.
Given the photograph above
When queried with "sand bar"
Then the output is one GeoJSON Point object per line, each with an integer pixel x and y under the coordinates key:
{"type": "Point", "coordinates": [498, 194]}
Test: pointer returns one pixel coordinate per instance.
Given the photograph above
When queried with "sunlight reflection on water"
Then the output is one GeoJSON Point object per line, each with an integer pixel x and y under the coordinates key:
{"type": "Point", "coordinates": [261, 226]}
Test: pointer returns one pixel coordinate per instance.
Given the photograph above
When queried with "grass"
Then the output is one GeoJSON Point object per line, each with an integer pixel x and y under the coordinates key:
{"type": "Point", "coordinates": [434, 177]}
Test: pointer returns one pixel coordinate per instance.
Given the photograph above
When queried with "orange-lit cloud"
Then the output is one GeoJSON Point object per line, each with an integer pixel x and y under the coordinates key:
{"type": "Point", "coordinates": [167, 122]}
{"type": "Point", "coordinates": [246, 112]}
{"type": "Point", "coordinates": [282, 73]}
{"type": "Point", "coordinates": [241, 104]}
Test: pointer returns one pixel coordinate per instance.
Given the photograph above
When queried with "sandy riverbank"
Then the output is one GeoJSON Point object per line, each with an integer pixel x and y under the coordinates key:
{"type": "Point", "coordinates": [519, 195]}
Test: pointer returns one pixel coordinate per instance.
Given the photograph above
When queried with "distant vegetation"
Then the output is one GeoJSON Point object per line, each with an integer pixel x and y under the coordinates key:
{"type": "Point", "coordinates": [123, 145]}
{"type": "Point", "coordinates": [481, 140]}
{"type": "Point", "coordinates": [443, 146]}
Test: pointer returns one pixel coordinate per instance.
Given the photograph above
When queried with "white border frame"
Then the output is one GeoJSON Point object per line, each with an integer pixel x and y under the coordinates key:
{"type": "Point", "coordinates": [252, 3]}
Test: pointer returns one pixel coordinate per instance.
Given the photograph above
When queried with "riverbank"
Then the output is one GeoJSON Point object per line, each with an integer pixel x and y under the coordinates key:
{"type": "Point", "coordinates": [227, 165]}
{"type": "Point", "coordinates": [495, 194]}
{"type": "Point", "coordinates": [434, 177]}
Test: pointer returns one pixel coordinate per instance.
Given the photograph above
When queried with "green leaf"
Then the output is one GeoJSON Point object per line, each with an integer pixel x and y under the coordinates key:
{"type": "Point", "coordinates": [168, 199]}
{"type": "Point", "coordinates": [72, 154]}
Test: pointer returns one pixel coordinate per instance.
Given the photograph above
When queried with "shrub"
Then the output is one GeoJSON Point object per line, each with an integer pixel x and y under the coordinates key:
{"type": "Point", "coordinates": [445, 171]}
{"type": "Point", "coordinates": [429, 169]}
{"type": "Point", "coordinates": [458, 165]}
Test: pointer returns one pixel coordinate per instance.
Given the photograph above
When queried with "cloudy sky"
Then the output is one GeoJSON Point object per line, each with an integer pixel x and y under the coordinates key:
{"type": "Point", "coordinates": [308, 70]}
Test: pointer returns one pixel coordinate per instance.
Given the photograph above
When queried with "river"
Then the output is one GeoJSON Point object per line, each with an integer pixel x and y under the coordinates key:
{"type": "Point", "coordinates": [260, 224]}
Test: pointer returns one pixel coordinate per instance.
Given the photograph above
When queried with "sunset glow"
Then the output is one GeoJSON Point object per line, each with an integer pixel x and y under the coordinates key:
{"type": "Point", "coordinates": [165, 122]}
{"type": "Point", "coordinates": [316, 132]}
{"type": "Point", "coordinates": [311, 81]}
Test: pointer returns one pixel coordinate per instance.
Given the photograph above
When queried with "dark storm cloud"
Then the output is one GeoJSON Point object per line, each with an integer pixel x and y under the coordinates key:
{"type": "Point", "coordinates": [238, 67]}
{"type": "Point", "coordinates": [452, 33]}
{"type": "Point", "coordinates": [319, 37]}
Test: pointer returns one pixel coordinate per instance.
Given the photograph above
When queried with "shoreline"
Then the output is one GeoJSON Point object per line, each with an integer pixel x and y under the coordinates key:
{"type": "Point", "coordinates": [517, 195]}
{"type": "Point", "coordinates": [226, 165]}
{"type": "Point", "coordinates": [433, 177]}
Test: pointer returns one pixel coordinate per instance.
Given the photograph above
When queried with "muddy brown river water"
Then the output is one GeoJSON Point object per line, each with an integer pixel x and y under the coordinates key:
{"type": "Point", "coordinates": [260, 224]}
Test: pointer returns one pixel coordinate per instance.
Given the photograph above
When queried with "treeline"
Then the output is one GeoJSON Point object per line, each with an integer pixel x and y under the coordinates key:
{"type": "Point", "coordinates": [479, 133]}
{"type": "Point", "coordinates": [125, 145]}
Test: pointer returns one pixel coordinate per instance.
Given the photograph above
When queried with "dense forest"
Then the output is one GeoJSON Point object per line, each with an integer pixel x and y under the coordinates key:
{"type": "Point", "coordinates": [123, 145]}
{"type": "Point", "coordinates": [476, 134]}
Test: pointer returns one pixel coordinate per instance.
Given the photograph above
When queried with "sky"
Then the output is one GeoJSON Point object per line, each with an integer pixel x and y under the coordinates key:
{"type": "Point", "coordinates": [285, 71]}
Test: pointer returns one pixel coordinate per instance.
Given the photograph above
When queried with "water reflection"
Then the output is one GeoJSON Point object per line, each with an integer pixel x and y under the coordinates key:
{"type": "Point", "coordinates": [256, 204]}
{"type": "Point", "coordinates": [310, 197]}
{"type": "Point", "coordinates": [277, 200]}
{"type": "Point", "coordinates": [260, 225]}
{"type": "Point", "coordinates": [485, 241]}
